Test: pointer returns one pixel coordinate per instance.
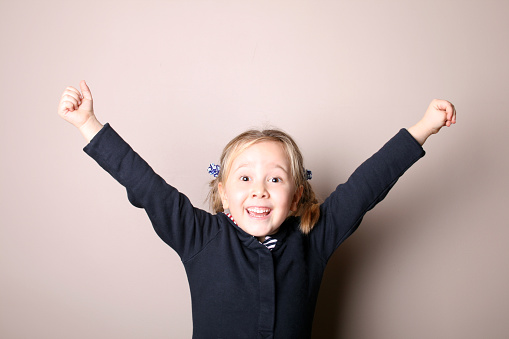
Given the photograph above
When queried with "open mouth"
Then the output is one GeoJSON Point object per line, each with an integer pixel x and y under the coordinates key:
{"type": "Point", "coordinates": [258, 212]}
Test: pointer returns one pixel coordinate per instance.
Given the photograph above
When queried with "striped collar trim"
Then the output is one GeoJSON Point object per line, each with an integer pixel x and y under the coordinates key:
{"type": "Point", "coordinates": [231, 217]}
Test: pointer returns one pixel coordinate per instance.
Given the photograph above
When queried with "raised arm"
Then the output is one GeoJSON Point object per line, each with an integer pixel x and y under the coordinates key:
{"type": "Point", "coordinates": [343, 211]}
{"type": "Point", "coordinates": [183, 227]}
{"type": "Point", "coordinates": [78, 109]}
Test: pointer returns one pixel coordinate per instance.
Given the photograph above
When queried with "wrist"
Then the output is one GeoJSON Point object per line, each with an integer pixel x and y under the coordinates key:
{"type": "Point", "coordinates": [420, 132]}
{"type": "Point", "coordinates": [90, 128]}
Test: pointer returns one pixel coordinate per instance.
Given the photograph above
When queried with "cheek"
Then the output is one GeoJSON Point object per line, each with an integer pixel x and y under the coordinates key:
{"type": "Point", "coordinates": [237, 197]}
{"type": "Point", "coordinates": [283, 196]}
{"type": "Point", "coordinates": [234, 196]}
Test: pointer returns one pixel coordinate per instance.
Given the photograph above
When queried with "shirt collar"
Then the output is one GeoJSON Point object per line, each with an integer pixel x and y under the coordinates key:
{"type": "Point", "coordinates": [251, 241]}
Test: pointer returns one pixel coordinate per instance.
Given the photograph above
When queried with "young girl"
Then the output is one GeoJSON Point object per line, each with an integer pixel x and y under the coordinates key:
{"type": "Point", "coordinates": [254, 267]}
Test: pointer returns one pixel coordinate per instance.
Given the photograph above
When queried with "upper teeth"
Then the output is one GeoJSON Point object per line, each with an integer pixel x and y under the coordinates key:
{"type": "Point", "coordinates": [258, 210]}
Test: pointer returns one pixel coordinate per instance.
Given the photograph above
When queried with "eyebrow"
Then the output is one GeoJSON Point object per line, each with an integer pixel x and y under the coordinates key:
{"type": "Point", "coordinates": [274, 166]}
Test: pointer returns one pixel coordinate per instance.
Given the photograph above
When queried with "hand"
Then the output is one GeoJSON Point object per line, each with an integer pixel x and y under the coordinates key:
{"type": "Point", "coordinates": [77, 108]}
{"type": "Point", "coordinates": [440, 113]}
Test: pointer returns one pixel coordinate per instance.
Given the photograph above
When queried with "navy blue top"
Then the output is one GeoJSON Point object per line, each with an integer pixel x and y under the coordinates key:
{"type": "Point", "coordinates": [240, 289]}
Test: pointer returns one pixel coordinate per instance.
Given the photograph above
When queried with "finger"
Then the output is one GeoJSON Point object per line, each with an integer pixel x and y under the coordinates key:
{"type": "Point", "coordinates": [442, 105]}
{"type": "Point", "coordinates": [71, 89]}
{"type": "Point", "coordinates": [71, 99]}
{"type": "Point", "coordinates": [67, 106]}
{"type": "Point", "coordinates": [72, 94]}
{"type": "Point", "coordinates": [85, 90]}
{"type": "Point", "coordinates": [449, 113]}
{"type": "Point", "coordinates": [447, 108]}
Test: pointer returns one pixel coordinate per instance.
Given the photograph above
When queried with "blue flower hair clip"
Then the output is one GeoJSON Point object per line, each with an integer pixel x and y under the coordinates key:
{"type": "Point", "coordinates": [309, 175]}
{"type": "Point", "coordinates": [214, 170]}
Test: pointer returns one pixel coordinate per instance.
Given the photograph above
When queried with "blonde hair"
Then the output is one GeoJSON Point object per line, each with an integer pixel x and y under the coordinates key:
{"type": "Point", "coordinates": [308, 208]}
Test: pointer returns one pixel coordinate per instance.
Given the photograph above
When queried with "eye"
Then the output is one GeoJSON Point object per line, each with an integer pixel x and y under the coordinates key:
{"type": "Point", "coordinates": [244, 178]}
{"type": "Point", "coordinates": [275, 180]}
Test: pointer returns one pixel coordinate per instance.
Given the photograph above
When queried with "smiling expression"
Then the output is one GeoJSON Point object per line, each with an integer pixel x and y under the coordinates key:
{"type": "Point", "coordinates": [260, 191]}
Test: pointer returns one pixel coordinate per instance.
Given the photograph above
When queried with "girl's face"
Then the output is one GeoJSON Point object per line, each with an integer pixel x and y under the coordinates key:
{"type": "Point", "coordinates": [260, 191]}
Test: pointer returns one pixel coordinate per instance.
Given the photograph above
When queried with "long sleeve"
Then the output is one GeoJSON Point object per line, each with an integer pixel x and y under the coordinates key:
{"type": "Point", "coordinates": [343, 210]}
{"type": "Point", "coordinates": [183, 227]}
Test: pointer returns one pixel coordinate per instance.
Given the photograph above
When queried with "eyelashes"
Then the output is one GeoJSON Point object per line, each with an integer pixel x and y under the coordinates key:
{"type": "Point", "coordinates": [272, 179]}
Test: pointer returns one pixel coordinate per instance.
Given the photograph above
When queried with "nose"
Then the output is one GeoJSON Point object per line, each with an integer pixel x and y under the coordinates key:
{"type": "Point", "coordinates": [259, 190]}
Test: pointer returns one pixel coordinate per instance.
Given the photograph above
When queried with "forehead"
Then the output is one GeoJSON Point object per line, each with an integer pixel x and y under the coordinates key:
{"type": "Point", "coordinates": [269, 153]}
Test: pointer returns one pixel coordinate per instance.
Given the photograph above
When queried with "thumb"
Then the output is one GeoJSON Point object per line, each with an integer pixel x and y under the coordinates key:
{"type": "Point", "coordinates": [85, 90]}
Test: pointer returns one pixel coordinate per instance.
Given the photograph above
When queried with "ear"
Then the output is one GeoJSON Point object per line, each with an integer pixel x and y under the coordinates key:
{"type": "Point", "coordinates": [296, 198]}
{"type": "Point", "coordinates": [222, 194]}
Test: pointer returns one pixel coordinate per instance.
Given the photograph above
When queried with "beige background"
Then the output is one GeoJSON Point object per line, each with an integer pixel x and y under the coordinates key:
{"type": "Point", "coordinates": [178, 79]}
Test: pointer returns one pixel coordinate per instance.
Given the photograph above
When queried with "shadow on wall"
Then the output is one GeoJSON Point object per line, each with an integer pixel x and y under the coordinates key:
{"type": "Point", "coordinates": [345, 276]}
{"type": "Point", "coordinates": [336, 301]}
{"type": "Point", "coordinates": [337, 296]}
{"type": "Point", "coordinates": [331, 306]}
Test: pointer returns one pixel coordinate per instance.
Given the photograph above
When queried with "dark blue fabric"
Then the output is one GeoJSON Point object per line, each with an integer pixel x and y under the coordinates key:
{"type": "Point", "coordinates": [239, 288]}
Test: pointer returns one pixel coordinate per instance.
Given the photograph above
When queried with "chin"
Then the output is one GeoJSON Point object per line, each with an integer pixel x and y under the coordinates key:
{"type": "Point", "coordinates": [258, 231]}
